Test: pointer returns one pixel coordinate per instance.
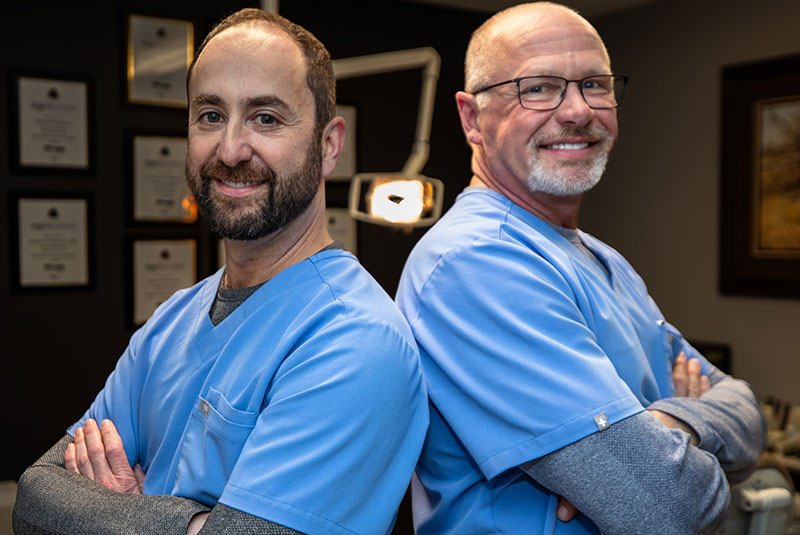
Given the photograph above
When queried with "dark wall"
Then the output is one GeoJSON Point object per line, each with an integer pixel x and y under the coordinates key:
{"type": "Point", "coordinates": [58, 346]}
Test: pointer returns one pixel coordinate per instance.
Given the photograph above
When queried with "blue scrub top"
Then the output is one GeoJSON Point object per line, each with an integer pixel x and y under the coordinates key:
{"type": "Point", "coordinates": [305, 406]}
{"type": "Point", "coordinates": [527, 346]}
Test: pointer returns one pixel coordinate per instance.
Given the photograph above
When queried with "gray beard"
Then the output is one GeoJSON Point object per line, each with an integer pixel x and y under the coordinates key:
{"type": "Point", "coordinates": [568, 181]}
{"type": "Point", "coordinates": [571, 178]}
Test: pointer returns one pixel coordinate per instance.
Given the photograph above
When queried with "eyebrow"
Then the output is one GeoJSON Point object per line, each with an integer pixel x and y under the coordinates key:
{"type": "Point", "coordinates": [206, 98]}
{"type": "Point", "coordinates": [250, 102]}
{"type": "Point", "coordinates": [266, 100]}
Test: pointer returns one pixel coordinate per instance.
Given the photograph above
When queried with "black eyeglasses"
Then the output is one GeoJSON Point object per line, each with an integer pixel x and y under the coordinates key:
{"type": "Point", "coordinates": [543, 93]}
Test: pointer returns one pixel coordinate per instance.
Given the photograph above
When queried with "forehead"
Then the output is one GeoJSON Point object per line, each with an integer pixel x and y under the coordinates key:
{"type": "Point", "coordinates": [247, 59]}
{"type": "Point", "coordinates": [558, 43]}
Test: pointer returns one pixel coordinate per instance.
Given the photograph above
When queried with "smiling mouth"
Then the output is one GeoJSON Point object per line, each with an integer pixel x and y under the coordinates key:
{"type": "Point", "coordinates": [237, 185]}
{"type": "Point", "coordinates": [567, 146]}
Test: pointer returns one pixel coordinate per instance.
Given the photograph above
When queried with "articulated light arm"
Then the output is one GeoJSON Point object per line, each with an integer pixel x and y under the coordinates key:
{"type": "Point", "coordinates": [426, 58]}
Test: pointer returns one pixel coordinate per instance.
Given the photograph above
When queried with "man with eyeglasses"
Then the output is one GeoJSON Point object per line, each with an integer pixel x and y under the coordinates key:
{"type": "Point", "coordinates": [554, 381]}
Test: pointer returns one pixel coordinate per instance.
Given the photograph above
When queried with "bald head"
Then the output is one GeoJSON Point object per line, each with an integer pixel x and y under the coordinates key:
{"type": "Point", "coordinates": [499, 44]}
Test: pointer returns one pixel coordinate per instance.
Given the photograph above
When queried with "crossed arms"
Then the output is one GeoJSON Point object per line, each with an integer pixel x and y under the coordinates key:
{"type": "Point", "coordinates": [85, 485]}
{"type": "Point", "coordinates": [646, 470]}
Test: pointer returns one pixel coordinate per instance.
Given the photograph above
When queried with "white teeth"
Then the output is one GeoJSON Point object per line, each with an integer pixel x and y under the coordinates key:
{"type": "Point", "coordinates": [567, 146]}
{"type": "Point", "coordinates": [238, 184]}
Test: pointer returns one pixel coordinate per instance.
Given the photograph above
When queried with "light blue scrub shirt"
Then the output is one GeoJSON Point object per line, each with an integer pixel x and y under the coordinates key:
{"type": "Point", "coordinates": [305, 406]}
{"type": "Point", "coordinates": [527, 346]}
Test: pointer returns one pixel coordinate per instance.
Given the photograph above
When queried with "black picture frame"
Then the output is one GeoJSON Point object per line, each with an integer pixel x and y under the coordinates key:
{"type": "Point", "coordinates": [59, 140]}
{"type": "Point", "coordinates": [22, 283]}
{"type": "Point", "coordinates": [148, 216]}
{"type": "Point", "coordinates": [746, 265]}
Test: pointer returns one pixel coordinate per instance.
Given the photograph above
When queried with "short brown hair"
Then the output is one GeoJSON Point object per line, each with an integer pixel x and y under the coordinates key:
{"type": "Point", "coordinates": [319, 69]}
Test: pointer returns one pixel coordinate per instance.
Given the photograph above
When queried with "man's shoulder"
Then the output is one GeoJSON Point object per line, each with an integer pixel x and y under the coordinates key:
{"type": "Point", "coordinates": [485, 229]}
{"type": "Point", "coordinates": [347, 292]}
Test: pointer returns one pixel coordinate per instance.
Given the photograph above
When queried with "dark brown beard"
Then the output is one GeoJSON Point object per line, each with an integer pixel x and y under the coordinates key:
{"type": "Point", "coordinates": [288, 196]}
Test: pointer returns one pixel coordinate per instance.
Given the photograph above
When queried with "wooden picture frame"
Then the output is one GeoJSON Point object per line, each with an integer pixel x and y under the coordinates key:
{"type": "Point", "coordinates": [760, 179]}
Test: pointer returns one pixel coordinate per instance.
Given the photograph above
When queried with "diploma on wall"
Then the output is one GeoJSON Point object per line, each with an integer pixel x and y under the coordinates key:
{"type": "Point", "coordinates": [53, 242]}
{"type": "Point", "coordinates": [160, 192]}
{"type": "Point", "coordinates": [53, 123]}
{"type": "Point", "coordinates": [160, 267]}
{"type": "Point", "coordinates": [159, 53]}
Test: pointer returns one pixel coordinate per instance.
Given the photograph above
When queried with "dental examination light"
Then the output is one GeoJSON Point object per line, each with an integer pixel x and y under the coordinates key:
{"type": "Point", "coordinates": [406, 198]}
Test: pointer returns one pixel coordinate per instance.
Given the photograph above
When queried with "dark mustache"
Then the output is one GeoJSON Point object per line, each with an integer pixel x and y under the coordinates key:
{"type": "Point", "coordinates": [242, 173]}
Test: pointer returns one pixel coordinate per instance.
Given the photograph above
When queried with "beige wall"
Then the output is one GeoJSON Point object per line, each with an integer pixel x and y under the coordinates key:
{"type": "Point", "coordinates": [658, 203]}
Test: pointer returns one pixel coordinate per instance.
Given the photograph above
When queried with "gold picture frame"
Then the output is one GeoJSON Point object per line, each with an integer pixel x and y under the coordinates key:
{"type": "Point", "coordinates": [158, 54]}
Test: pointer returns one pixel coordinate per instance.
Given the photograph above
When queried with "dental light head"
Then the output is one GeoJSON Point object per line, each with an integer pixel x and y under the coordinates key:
{"type": "Point", "coordinates": [406, 198]}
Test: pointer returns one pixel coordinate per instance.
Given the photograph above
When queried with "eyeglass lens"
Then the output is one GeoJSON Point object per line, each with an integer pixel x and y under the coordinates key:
{"type": "Point", "coordinates": [546, 92]}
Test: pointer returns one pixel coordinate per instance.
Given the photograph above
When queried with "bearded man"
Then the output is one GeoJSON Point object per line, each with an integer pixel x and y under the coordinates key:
{"type": "Point", "coordinates": [281, 395]}
{"type": "Point", "coordinates": [555, 382]}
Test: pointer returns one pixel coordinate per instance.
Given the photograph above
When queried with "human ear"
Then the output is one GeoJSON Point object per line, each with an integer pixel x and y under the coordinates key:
{"type": "Point", "coordinates": [468, 112]}
{"type": "Point", "coordinates": [332, 143]}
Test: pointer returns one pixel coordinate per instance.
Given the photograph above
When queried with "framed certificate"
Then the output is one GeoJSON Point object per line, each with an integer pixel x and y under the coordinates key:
{"type": "Point", "coordinates": [52, 241]}
{"type": "Point", "coordinates": [50, 123]}
{"type": "Point", "coordinates": [159, 52]}
{"type": "Point", "coordinates": [160, 267]}
{"type": "Point", "coordinates": [158, 185]}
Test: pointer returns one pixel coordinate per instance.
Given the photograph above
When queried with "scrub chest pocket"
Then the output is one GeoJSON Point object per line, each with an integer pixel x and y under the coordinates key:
{"type": "Point", "coordinates": [212, 442]}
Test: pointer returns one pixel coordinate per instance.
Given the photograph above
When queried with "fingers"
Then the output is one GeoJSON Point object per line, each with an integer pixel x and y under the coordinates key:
{"type": "Point", "coordinates": [566, 511]}
{"type": "Point", "coordinates": [97, 451]}
{"type": "Point", "coordinates": [70, 463]}
{"type": "Point", "coordinates": [680, 376]}
{"type": "Point", "coordinates": [83, 464]}
{"type": "Point", "coordinates": [687, 377]}
{"type": "Point", "coordinates": [694, 372]}
{"type": "Point", "coordinates": [114, 449]}
{"type": "Point", "coordinates": [705, 384]}
{"type": "Point", "coordinates": [138, 474]}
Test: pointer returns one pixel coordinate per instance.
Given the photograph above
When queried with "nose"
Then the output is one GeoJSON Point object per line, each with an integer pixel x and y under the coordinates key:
{"type": "Point", "coordinates": [573, 108]}
{"type": "Point", "coordinates": [234, 147]}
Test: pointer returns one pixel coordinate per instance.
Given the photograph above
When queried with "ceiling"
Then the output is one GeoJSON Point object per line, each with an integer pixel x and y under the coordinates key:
{"type": "Point", "coordinates": [587, 8]}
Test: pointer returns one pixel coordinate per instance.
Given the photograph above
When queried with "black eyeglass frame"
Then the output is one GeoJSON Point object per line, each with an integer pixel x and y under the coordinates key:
{"type": "Point", "coordinates": [614, 77]}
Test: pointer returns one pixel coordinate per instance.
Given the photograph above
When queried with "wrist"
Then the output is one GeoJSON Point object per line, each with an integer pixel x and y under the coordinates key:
{"type": "Point", "coordinates": [674, 423]}
{"type": "Point", "coordinates": [196, 523]}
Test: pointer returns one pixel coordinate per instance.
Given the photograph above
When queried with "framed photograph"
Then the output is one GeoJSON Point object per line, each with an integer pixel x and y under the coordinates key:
{"type": "Point", "coordinates": [159, 52]}
{"type": "Point", "coordinates": [346, 166]}
{"type": "Point", "coordinates": [159, 268]}
{"type": "Point", "coordinates": [760, 179]}
{"type": "Point", "coordinates": [50, 122]}
{"type": "Point", "coordinates": [158, 189]}
{"type": "Point", "coordinates": [50, 235]}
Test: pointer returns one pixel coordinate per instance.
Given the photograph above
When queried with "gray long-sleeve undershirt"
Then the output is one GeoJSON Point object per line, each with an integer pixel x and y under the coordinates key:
{"type": "Point", "coordinates": [52, 500]}
{"type": "Point", "coordinates": [638, 475]}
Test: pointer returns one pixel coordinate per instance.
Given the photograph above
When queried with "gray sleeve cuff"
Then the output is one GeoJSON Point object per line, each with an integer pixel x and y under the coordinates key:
{"type": "Point", "coordinates": [727, 420]}
{"type": "Point", "coordinates": [225, 520]}
{"type": "Point", "coordinates": [53, 500]}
